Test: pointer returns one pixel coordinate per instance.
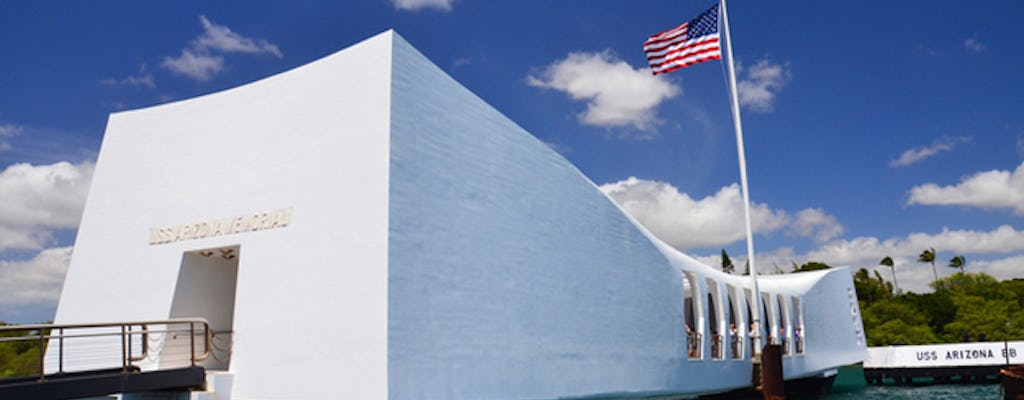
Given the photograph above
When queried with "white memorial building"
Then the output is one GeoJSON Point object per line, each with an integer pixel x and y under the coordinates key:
{"type": "Point", "coordinates": [364, 227]}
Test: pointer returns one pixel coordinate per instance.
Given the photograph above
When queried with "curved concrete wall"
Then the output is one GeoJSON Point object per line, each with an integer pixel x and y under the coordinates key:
{"type": "Point", "coordinates": [510, 274]}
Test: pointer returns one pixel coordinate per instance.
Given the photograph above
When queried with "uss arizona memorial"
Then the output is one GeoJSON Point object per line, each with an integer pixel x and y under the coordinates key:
{"type": "Point", "coordinates": [365, 227]}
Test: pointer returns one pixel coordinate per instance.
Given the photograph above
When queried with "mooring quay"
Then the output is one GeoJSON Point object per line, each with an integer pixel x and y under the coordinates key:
{"type": "Point", "coordinates": [941, 363]}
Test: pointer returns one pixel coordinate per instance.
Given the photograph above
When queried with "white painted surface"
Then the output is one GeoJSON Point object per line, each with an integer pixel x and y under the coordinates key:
{"type": "Point", "coordinates": [946, 355]}
{"type": "Point", "coordinates": [309, 295]}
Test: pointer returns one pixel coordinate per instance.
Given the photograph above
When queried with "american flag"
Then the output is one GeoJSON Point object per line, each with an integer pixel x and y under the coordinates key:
{"type": "Point", "coordinates": [693, 42]}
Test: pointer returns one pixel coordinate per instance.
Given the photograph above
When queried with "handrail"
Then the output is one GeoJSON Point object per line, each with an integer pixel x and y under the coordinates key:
{"type": "Point", "coordinates": [126, 332]}
{"type": "Point", "coordinates": [103, 324]}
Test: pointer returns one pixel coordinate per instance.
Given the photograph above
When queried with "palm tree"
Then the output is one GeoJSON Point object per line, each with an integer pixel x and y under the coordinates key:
{"type": "Point", "coordinates": [727, 266]}
{"type": "Point", "coordinates": [928, 256]}
{"type": "Point", "coordinates": [958, 262]}
{"type": "Point", "coordinates": [887, 261]}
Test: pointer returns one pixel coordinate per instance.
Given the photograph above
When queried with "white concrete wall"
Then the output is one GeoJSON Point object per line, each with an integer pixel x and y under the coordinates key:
{"type": "Point", "coordinates": [312, 294]}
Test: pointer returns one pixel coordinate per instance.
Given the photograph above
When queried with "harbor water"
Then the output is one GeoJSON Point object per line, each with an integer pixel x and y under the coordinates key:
{"type": "Point", "coordinates": [850, 385]}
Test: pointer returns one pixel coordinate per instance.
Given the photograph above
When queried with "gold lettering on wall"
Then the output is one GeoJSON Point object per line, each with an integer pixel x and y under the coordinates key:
{"type": "Point", "coordinates": [219, 227]}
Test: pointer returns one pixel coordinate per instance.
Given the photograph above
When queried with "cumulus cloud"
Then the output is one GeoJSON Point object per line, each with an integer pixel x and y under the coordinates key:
{"type": "Point", "coordinates": [143, 79]}
{"type": "Point", "coordinates": [414, 5]}
{"type": "Point", "coordinates": [617, 95]}
{"type": "Point", "coordinates": [865, 252]}
{"type": "Point", "coordinates": [777, 261]}
{"type": "Point", "coordinates": [31, 288]}
{"type": "Point", "coordinates": [759, 84]}
{"type": "Point", "coordinates": [196, 65]}
{"type": "Point", "coordinates": [814, 222]}
{"type": "Point", "coordinates": [22, 237]}
{"type": "Point", "coordinates": [201, 59]}
{"type": "Point", "coordinates": [713, 221]}
{"type": "Point", "coordinates": [1004, 239]}
{"type": "Point", "coordinates": [917, 277]}
{"type": "Point", "coordinates": [38, 199]}
{"type": "Point", "coordinates": [974, 45]}
{"type": "Point", "coordinates": [221, 38]}
{"type": "Point", "coordinates": [990, 189]}
{"type": "Point", "coordinates": [8, 131]}
{"type": "Point", "coordinates": [913, 156]}
{"type": "Point", "coordinates": [1004, 268]}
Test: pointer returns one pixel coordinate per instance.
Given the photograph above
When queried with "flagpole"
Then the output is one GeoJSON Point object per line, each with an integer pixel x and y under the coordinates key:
{"type": "Point", "coordinates": [756, 334]}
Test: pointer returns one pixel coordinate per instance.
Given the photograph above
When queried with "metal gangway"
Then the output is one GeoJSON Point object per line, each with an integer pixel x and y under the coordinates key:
{"type": "Point", "coordinates": [98, 359]}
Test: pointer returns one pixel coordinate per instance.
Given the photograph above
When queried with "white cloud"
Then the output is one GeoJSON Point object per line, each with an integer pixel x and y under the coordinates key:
{"type": "Point", "coordinates": [196, 65]}
{"type": "Point", "coordinates": [143, 79]}
{"type": "Point", "coordinates": [461, 62]}
{"type": "Point", "coordinates": [200, 59]}
{"type": "Point", "coordinates": [221, 38]}
{"type": "Point", "coordinates": [915, 276]}
{"type": "Point", "coordinates": [913, 156]}
{"type": "Point", "coordinates": [562, 149]}
{"type": "Point", "coordinates": [773, 262]}
{"type": "Point", "coordinates": [8, 131]}
{"type": "Point", "coordinates": [414, 5]}
{"type": "Point", "coordinates": [38, 199]}
{"type": "Point", "coordinates": [814, 222]}
{"type": "Point", "coordinates": [1004, 239]}
{"type": "Point", "coordinates": [759, 84]}
{"type": "Point", "coordinates": [1005, 268]}
{"type": "Point", "coordinates": [33, 284]}
{"type": "Point", "coordinates": [866, 252]}
{"type": "Point", "coordinates": [713, 221]}
{"type": "Point", "coordinates": [989, 189]}
{"type": "Point", "coordinates": [975, 45]}
{"type": "Point", "coordinates": [616, 94]}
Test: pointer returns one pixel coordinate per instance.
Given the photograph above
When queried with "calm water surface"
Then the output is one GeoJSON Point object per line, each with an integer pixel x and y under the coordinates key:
{"type": "Point", "coordinates": [987, 392]}
{"type": "Point", "coordinates": [850, 385]}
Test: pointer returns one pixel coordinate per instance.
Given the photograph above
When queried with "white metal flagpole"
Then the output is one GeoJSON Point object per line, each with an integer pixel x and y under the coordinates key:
{"type": "Point", "coordinates": [743, 181]}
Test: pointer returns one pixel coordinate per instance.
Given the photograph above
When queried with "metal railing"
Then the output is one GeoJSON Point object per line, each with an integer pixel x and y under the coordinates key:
{"type": "Point", "coordinates": [48, 335]}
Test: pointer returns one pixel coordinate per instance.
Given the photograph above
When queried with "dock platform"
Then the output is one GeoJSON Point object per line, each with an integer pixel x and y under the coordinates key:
{"type": "Point", "coordinates": [977, 362]}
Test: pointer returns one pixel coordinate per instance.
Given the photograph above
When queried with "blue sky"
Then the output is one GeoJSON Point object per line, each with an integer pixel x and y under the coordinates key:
{"type": "Point", "coordinates": [872, 128]}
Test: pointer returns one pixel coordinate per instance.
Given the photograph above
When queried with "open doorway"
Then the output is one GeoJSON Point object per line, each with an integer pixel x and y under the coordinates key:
{"type": "Point", "coordinates": [206, 289]}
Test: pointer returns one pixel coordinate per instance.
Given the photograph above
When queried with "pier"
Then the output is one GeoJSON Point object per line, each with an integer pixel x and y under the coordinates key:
{"type": "Point", "coordinates": [941, 363]}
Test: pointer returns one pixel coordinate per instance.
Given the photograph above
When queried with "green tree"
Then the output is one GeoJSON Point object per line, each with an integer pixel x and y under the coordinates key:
{"type": "Point", "coordinates": [937, 307]}
{"type": "Point", "coordinates": [897, 332]}
{"type": "Point", "coordinates": [887, 261]}
{"type": "Point", "coordinates": [982, 305]}
{"type": "Point", "coordinates": [811, 266]}
{"type": "Point", "coordinates": [1015, 286]}
{"type": "Point", "coordinates": [928, 256]}
{"type": "Point", "coordinates": [871, 288]}
{"type": "Point", "coordinates": [958, 262]}
{"type": "Point", "coordinates": [973, 284]}
{"type": "Point", "coordinates": [997, 319]}
{"type": "Point", "coordinates": [727, 265]}
{"type": "Point", "coordinates": [893, 322]}
{"type": "Point", "coordinates": [18, 358]}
